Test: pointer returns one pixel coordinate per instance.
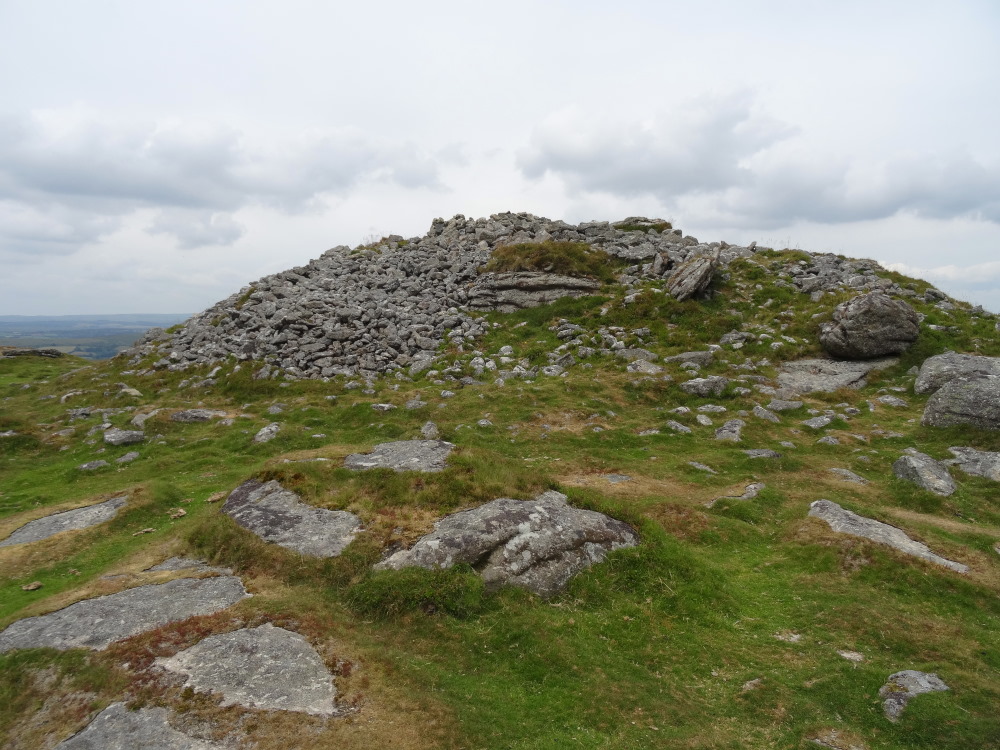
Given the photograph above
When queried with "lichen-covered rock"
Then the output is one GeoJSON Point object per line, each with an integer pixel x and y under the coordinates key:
{"type": "Point", "coordinates": [509, 292]}
{"type": "Point", "coordinates": [731, 431]}
{"type": "Point", "coordinates": [973, 401]}
{"type": "Point", "coordinates": [924, 472]}
{"type": "Point", "coordinates": [870, 326]}
{"type": "Point", "coordinates": [844, 521]}
{"type": "Point", "coordinates": [713, 385]}
{"type": "Point", "coordinates": [691, 278]}
{"type": "Point", "coordinates": [279, 516]}
{"type": "Point", "coordinates": [536, 544]}
{"type": "Point", "coordinates": [977, 463]}
{"type": "Point", "coordinates": [118, 728]}
{"type": "Point", "coordinates": [267, 433]}
{"type": "Point", "coordinates": [96, 623]}
{"type": "Point", "coordinates": [264, 667]}
{"type": "Point", "coordinates": [69, 520]}
{"type": "Point", "coordinates": [942, 368]}
{"type": "Point", "coordinates": [195, 415]}
{"type": "Point", "coordinates": [403, 455]}
{"type": "Point", "coordinates": [115, 436]}
{"type": "Point", "coordinates": [904, 686]}
{"type": "Point", "coordinates": [827, 375]}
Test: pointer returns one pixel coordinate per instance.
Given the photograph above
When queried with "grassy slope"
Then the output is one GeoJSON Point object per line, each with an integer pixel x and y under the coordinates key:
{"type": "Point", "coordinates": [652, 649]}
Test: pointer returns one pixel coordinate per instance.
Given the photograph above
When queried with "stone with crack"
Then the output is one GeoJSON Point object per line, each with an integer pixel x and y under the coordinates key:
{"type": "Point", "coordinates": [535, 544]}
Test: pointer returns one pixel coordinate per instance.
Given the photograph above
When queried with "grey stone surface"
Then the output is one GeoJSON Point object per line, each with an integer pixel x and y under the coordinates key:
{"type": "Point", "coordinates": [965, 401]}
{"type": "Point", "coordinates": [889, 400]}
{"type": "Point", "coordinates": [845, 522]}
{"type": "Point", "coordinates": [508, 292]}
{"type": "Point", "coordinates": [699, 358]}
{"type": "Point", "coordinates": [713, 385]}
{"type": "Point", "coordinates": [279, 516]}
{"type": "Point", "coordinates": [731, 431]}
{"type": "Point", "coordinates": [78, 518]}
{"type": "Point", "coordinates": [902, 687]}
{"type": "Point", "coordinates": [762, 453]}
{"type": "Point", "coordinates": [826, 375]}
{"type": "Point", "coordinates": [196, 415]}
{"type": "Point", "coordinates": [817, 423]}
{"type": "Point", "coordinates": [114, 436]}
{"type": "Point", "coordinates": [941, 368]}
{"type": "Point", "coordinates": [643, 367]}
{"type": "Point", "coordinates": [118, 728]}
{"type": "Point", "coordinates": [749, 493]}
{"type": "Point", "coordinates": [127, 458]}
{"type": "Point", "coordinates": [430, 431]}
{"type": "Point", "coordinates": [264, 667]}
{"type": "Point", "coordinates": [189, 563]}
{"type": "Point", "coordinates": [761, 413]}
{"type": "Point", "coordinates": [691, 278]}
{"type": "Point", "coordinates": [536, 544]}
{"type": "Point", "coordinates": [783, 405]}
{"type": "Point", "coordinates": [924, 472]}
{"type": "Point", "coordinates": [93, 465]}
{"type": "Point", "coordinates": [678, 427]}
{"type": "Point", "coordinates": [977, 463]}
{"type": "Point", "coordinates": [702, 467]}
{"type": "Point", "coordinates": [96, 623]}
{"type": "Point", "coordinates": [267, 433]}
{"type": "Point", "coordinates": [848, 476]}
{"type": "Point", "coordinates": [403, 455]}
{"type": "Point", "coordinates": [870, 326]}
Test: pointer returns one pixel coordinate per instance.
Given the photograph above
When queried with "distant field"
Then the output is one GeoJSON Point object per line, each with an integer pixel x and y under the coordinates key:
{"type": "Point", "coordinates": [88, 336]}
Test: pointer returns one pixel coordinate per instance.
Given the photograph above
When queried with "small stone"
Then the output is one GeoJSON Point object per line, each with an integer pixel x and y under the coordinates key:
{"type": "Point", "coordinates": [447, 394]}
{"type": "Point", "coordinates": [127, 458]}
{"type": "Point", "coordinates": [817, 423]}
{"type": "Point", "coordinates": [828, 440]}
{"type": "Point", "coordinates": [115, 436]}
{"type": "Point", "coordinates": [33, 586]}
{"type": "Point", "coordinates": [731, 431]}
{"type": "Point", "coordinates": [761, 413]}
{"type": "Point", "coordinates": [704, 420]}
{"type": "Point", "coordinates": [702, 467]}
{"type": "Point", "coordinates": [268, 433]}
{"type": "Point", "coordinates": [856, 656]}
{"type": "Point", "coordinates": [762, 453]}
{"type": "Point", "coordinates": [415, 403]}
{"type": "Point", "coordinates": [430, 431]}
{"type": "Point", "coordinates": [902, 687]}
{"type": "Point", "coordinates": [848, 476]}
{"type": "Point", "coordinates": [403, 455]}
{"type": "Point", "coordinates": [678, 427]}
{"type": "Point", "coordinates": [889, 400]}
{"type": "Point", "coordinates": [383, 407]}
{"type": "Point", "coordinates": [93, 465]}
{"type": "Point", "coordinates": [925, 472]}
{"type": "Point", "coordinates": [617, 478]}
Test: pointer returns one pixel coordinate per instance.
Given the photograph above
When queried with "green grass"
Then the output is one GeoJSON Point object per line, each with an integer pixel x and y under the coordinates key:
{"type": "Point", "coordinates": [564, 258]}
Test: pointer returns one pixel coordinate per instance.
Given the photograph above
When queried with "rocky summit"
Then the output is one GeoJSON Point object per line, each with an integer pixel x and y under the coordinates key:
{"type": "Point", "coordinates": [516, 483]}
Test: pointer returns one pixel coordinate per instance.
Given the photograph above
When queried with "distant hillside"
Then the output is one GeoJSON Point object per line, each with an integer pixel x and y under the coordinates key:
{"type": "Point", "coordinates": [87, 336]}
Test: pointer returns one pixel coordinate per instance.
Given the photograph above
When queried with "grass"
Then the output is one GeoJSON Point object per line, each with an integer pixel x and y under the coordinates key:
{"type": "Point", "coordinates": [564, 258]}
{"type": "Point", "coordinates": [674, 643]}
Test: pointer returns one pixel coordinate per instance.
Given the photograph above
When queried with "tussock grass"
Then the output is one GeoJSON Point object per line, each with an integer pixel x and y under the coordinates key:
{"type": "Point", "coordinates": [563, 258]}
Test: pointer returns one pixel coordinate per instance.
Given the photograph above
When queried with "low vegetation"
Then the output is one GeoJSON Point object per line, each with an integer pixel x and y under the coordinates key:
{"type": "Point", "coordinates": [565, 258]}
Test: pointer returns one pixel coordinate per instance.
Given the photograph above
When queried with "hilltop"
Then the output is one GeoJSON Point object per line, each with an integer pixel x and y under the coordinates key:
{"type": "Point", "coordinates": [515, 483]}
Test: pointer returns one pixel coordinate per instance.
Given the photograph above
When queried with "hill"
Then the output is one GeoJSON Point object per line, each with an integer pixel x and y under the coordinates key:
{"type": "Point", "coordinates": [519, 484]}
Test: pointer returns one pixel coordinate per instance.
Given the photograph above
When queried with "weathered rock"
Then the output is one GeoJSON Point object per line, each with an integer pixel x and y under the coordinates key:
{"type": "Point", "coordinates": [127, 457]}
{"type": "Point", "coordinates": [264, 667]}
{"type": "Point", "coordinates": [691, 278]}
{"type": "Point", "coordinates": [826, 375]}
{"type": "Point", "coordinates": [189, 563]}
{"type": "Point", "coordinates": [817, 423]}
{"type": "Point", "coordinates": [93, 465]}
{"type": "Point", "coordinates": [978, 463]}
{"type": "Point", "coordinates": [536, 544]}
{"type": "Point", "coordinates": [267, 433]}
{"type": "Point", "coordinates": [731, 431]}
{"type": "Point", "coordinates": [96, 623]}
{"type": "Point", "coordinates": [699, 358]}
{"type": "Point", "coordinates": [69, 520]}
{"type": "Point", "coordinates": [749, 493]}
{"type": "Point", "coordinates": [114, 436]}
{"type": "Point", "coordinates": [762, 453]}
{"type": "Point", "coordinates": [195, 415]}
{"type": "Point", "coordinates": [924, 472]}
{"type": "Point", "coordinates": [643, 367]}
{"type": "Point", "coordinates": [904, 686]}
{"type": "Point", "coordinates": [761, 413]}
{"type": "Point", "coordinates": [942, 368]}
{"type": "Point", "coordinates": [870, 326]}
{"type": "Point", "coordinates": [509, 292]}
{"type": "Point", "coordinates": [678, 427]}
{"type": "Point", "coordinates": [118, 728]}
{"type": "Point", "coordinates": [403, 455]}
{"type": "Point", "coordinates": [279, 516]}
{"type": "Point", "coordinates": [965, 401]}
{"type": "Point", "coordinates": [430, 431]}
{"type": "Point", "coordinates": [845, 522]}
{"type": "Point", "coordinates": [782, 405]}
{"type": "Point", "coordinates": [848, 476]}
{"type": "Point", "coordinates": [713, 385]}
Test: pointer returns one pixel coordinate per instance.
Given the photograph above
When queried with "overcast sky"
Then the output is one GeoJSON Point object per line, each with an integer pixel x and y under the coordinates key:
{"type": "Point", "coordinates": [155, 156]}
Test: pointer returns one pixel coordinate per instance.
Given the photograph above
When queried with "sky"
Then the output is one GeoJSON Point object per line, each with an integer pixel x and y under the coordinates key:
{"type": "Point", "coordinates": [157, 156]}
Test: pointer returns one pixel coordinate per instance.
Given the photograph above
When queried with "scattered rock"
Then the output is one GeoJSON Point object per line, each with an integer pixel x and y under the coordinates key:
{"type": "Point", "coordinates": [782, 405]}
{"type": "Point", "coordinates": [827, 375]}
{"type": "Point", "coordinates": [195, 415]}
{"type": "Point", "coordinates": [617, 478]}
{"type": "Point", "coordinates": [430, 431]}
{"type": "Point", "coordinates": [189, 563]}
{"type": "Point", "coordinates": [118, 728]}
{"type": "Point", "coordinates": [383, 407]}
{"type": "Point", "coordinates": [33, 586]}
{"type": "Point", "coordinates": [977, 463]}
{"type": "Point", "coordinates": [96, 623]}
{"type": "Point", "coordinates": [267, 433]}
{"type": "Point", "coordinates": [643, 367]}
{"type": "Point", "coordinates": [279, 516]}
{"type": "Point", "coordinates": [855, 656]}
{"type": "Point", "coordinates": [965, 401]}
{"type": "Point", "coordinates": [870, 326]}
{"type": "Point", "coordinates": [78, 518]}
{"type": "Point", "coordinates": [713, 385]}
{"type": "Point", "coordinates": [509, 292]}
{"type": "Point", "coordinates": [902, 687]}
{"type": "Point", "coordinates": [828, 440]}
{"type": "Point", "coordinates": [93, 465]}
{"type": "Point", "coordinates": [942, 368]}
{"type": "Point", "coordinates": [702, 467]}
{"type": "Point", "coordinates": [699, 358]}
{"type": "Point", "coordinates": [761, 413]}
{"type": "Point", "coordinates": [762, 453]}
{"type": "Point", "coordinates": [678, 427]}
{"type": "Point", "coordinates": [889, 400]}
{"type": "Point", "coordinates": [925, 472]}
{"type": "Point", "coordinates": [536, 544]}
{"type": "Point", "coordinates": [265, 667]}
{"type": "Point", "coordinates": [403, 455]}
{"type": "Point", "coordinates": [691, 278]}
{"type": "Point", "coordinates": [834, 739]}
{"type": "Point", "coordinates": [751, 491]}
{"type": "Point", "coordinates": [115, 436]}
{"type": "Point", "coordinates": [127, 458]}
{"type": "Point", "coordinates": [845, 522]}
{"type": "Point", "coordinates": [817, 423]}
{"type": "Point", "coordinates": [731, 431]}
{"type": "Point", "coordinates": [848, 476]}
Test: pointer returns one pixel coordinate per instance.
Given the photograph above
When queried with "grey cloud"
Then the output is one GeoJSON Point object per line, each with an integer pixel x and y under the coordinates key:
{"type": "Point", "coordinates": [722, 164]}
{"type": "Point", "coordinates": [89, 176]}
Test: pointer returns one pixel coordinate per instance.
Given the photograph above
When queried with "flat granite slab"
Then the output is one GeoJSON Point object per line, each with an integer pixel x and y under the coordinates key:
{"type": "Point", "coordinates": [844, 521]}
{"type": "Point", "coordinates": [117, 728]}
{"type": "Point", "coordinates": [279, 516]}
{"type": "Point", "coordinates": [827, 375]}
{"type": "Point", "coordinates": [403, 455]}
{"type": "Point", "coordinates": [264, 667]}
{"type": "Point", "coordinates": [97, 623]}
{"type": "Point", "coordinates": [68, 520]}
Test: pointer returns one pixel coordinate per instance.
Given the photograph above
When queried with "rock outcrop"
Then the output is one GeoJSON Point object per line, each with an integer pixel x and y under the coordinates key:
{"type": "Point", "coordinates": [827, 375]}
{"type": "Point", "coordinates": [924, 472]}
{"type": "Point", "coordinates": [943, 368]}
{"type": "Point", "coordinates": [78, 518]}
{"type": "Point", "coordinates": [118, 728]}
{"type": "Point", "coordinates": [870, 326]}
{"type": "Point", "coordinates": [536, 544]}
{"type": "Point", "coordinates": [904, 686]}
{"type": "Point", "coordinates": [977, 463]}
{"type": "Point", "coordinates": [971, 401]}
{"type": "Point", "coordinates": [509, 292]}
{"type": "Point", "coordinates": [691, 278]}
{"type": "Point", "coordinates": [403, 455]}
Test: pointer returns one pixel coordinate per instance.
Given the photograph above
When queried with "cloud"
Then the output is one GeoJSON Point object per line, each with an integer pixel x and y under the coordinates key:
{"type": "Point", "coordinates": [718, 161]}
{"type": "Point", "coordinates": [978, 273]}
{"type": "Point", "coordinates": [66, 182]}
